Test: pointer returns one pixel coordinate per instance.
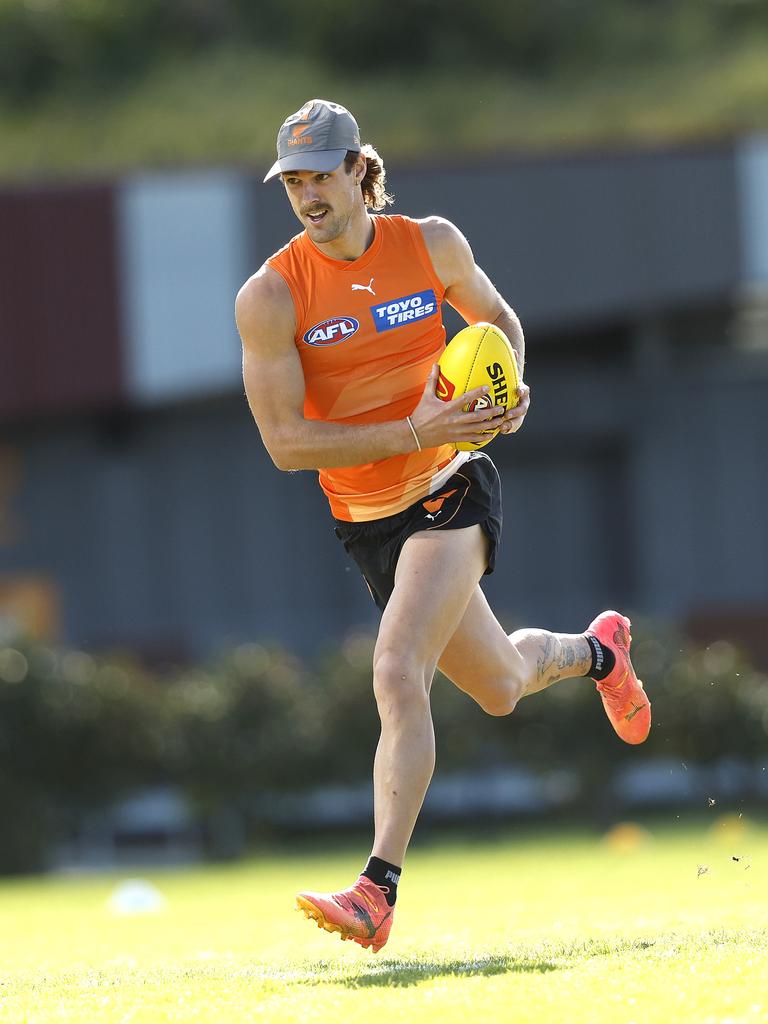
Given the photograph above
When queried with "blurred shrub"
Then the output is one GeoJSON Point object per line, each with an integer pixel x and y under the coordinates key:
{"type": "Point", "coordinates": [76, 731]}
{"type": "Point", "coordinates": [46, 42]}
{"type": "Point", "coordinates": [256, 720]}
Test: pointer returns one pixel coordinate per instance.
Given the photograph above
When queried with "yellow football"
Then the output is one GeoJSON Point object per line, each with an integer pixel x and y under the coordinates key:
{"type": "Point", "coordinates": [479, 354]}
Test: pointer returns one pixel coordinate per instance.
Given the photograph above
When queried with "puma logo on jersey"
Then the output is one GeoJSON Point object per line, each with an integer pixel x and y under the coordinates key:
{"type": "Point", "coordinates": [364, 287]}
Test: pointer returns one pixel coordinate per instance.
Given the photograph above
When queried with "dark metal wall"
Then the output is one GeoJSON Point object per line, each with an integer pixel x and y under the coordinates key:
{"type": "Point", "coordinates": [179, 536]}
{"type": "Point", "coordinates": [575, 240]}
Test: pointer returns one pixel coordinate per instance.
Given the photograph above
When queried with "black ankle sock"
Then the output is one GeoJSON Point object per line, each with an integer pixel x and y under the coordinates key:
{"type": "Point", "coordinates": [603, 658]}
{"type": "Point", "coordinates": [383, 873]}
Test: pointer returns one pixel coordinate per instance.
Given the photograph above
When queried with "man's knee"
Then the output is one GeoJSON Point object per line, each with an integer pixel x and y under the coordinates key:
{"type": "Point", "coordinates": [498, 697]}
{"type": "Point", "coordinates": [499, 706]}
{"type": "Point", "coordinates": [399, 681]}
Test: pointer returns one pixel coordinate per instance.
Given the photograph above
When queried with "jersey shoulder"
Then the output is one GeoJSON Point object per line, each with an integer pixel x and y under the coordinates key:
{"type": "Point", "coordinates": [297, 242]}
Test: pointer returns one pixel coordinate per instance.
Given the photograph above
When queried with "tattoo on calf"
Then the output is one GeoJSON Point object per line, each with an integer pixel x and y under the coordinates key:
{"type": "Point", "coordinates": [545, 660]}
{"type": "Point", "coordinates": [556, 655]}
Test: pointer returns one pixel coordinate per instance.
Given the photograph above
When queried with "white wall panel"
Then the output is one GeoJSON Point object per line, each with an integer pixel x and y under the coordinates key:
{"type": "Point", "coordinates": [184, 252]}
{"type": "Point", "coordinates": [752, 163]}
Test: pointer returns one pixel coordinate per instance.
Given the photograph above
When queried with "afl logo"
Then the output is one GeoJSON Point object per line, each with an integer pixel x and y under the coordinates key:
{"type": "Point", "coordinates": [331, 332]}
{"type": "Point", "coordinates": [483, 402]}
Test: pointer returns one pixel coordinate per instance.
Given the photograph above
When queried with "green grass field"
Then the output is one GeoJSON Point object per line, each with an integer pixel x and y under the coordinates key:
{"type": "Point", "coordinates": [561, 926]}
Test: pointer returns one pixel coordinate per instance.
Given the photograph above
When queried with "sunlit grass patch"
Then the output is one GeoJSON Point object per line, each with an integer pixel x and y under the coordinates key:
{"type": "Point", "coordinates": [527, 926]}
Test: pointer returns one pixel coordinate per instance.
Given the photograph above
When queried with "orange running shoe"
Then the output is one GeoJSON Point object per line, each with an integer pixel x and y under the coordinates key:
{"type": "Point", "coordinates": [624, 699]}
{"type": "Point", "coordinates": [360, 913]}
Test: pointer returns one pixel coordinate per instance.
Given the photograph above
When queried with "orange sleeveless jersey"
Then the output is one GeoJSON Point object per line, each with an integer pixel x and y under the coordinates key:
{"type": "Point", "coordinates": [368, 332]}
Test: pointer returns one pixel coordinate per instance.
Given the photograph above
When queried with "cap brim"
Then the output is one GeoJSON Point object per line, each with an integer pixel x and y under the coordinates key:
{"type": "Point", "coordinates": [326, 160]}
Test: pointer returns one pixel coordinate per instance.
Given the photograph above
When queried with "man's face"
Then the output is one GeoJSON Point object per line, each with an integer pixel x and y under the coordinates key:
{"type": "Point", "coordinates": [324, 200]}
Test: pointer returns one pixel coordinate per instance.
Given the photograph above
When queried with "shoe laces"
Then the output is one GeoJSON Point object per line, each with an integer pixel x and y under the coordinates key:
{"type": "Point", "coordinates": [613, 694]}
{"type": "Point", "coordinates": [358, 890]}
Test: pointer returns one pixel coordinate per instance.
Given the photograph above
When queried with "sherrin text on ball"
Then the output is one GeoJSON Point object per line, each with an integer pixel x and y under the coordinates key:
{"type": "Point", "coordinates": [478, 355]}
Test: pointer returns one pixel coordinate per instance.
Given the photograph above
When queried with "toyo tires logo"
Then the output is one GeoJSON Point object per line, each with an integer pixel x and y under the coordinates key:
{"type": "Point", "coordinates": [331, 332]}
{"type": "Point", "coordinates": [406, 310]}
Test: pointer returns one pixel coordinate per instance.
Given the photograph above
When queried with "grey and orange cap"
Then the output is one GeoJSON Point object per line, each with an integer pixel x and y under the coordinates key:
{"type": "Point", "coordinates": [315, 138]}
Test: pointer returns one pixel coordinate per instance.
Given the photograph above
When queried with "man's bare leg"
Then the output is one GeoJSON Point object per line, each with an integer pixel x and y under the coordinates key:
{"type": "Point", "coordinates": [497, 670]}
{"type": "Point", "coordinates": [437, 607]}
{"type": "Point", "coordinates": [437, 574]}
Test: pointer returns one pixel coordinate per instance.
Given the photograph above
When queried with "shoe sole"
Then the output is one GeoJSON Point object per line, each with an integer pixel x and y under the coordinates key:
{"type": "Point", "coordinates": [313, 913]}
{"type": "Point", "coordinates": [635, 741]}
{"type": "Point", "coordinates": [632, 741]}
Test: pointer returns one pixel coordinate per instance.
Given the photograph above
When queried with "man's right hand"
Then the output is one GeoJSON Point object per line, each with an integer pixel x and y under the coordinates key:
{"type": "Point", "coordinates": [437, 422]}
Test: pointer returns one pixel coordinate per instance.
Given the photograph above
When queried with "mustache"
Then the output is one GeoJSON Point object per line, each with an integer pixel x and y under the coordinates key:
{"type": "Point", "coordinates": [312, 210]}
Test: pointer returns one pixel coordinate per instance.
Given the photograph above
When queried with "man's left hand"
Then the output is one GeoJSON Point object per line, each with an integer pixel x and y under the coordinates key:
{"type": "Point", "coordinates": [513, 419]}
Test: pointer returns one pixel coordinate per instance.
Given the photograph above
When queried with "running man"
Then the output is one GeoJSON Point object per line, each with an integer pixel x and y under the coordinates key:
{"type": "Point", "coordinates": [341, 332]}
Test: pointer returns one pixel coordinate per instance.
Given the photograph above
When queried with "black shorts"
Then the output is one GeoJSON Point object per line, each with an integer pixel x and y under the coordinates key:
{"type": "Point", "coordinates": [471, 496]}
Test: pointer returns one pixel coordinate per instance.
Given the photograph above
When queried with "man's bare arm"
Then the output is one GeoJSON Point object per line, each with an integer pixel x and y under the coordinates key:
{"type": "Point", "coordinates": [467, 287]}
{"type": "Point", "coordinates": [471, 293]}
{"type": "Point", "coordinates": [275, 387]}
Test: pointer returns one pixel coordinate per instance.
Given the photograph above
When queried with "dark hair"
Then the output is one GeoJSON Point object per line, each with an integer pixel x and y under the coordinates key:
{"type": "Point", "coordinates": [374, 194]}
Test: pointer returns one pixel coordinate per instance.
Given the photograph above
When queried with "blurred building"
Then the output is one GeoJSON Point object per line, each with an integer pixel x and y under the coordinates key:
{"type": "Point", "coordinates": [138, 507]}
